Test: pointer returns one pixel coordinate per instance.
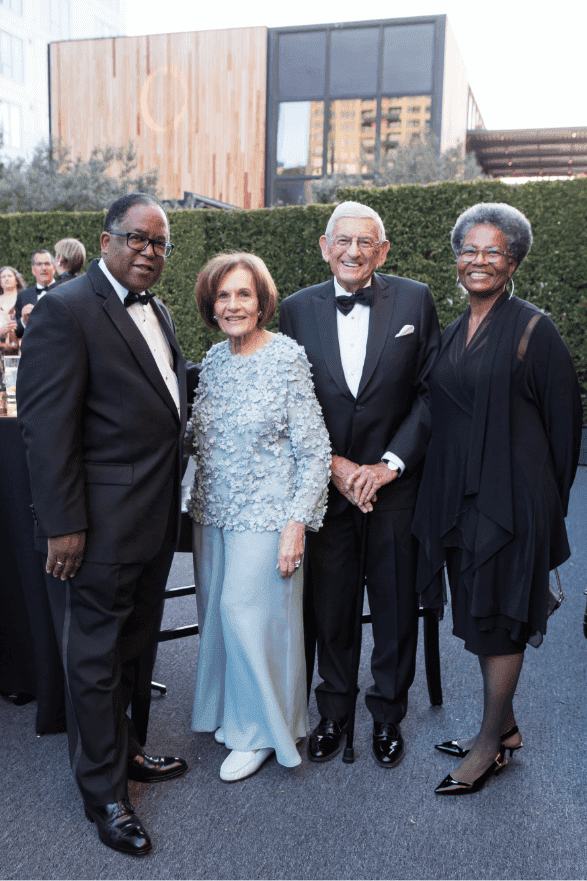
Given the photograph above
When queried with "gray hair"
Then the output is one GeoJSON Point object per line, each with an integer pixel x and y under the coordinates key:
{"type": "Point", "coordinates": [354, 209]}
{"type": "Point", "coordinates": [511, 222]}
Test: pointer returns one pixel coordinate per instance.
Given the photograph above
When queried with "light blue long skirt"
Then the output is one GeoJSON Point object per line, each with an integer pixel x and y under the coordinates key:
{"type": "Point", "coordinates": [251, 676]}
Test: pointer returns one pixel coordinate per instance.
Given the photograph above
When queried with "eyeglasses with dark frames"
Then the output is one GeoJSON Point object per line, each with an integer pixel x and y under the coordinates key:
{"type": "Point", "coordinates": [138, 242]}
{"type": "Point", "coordinates": [492, 255]}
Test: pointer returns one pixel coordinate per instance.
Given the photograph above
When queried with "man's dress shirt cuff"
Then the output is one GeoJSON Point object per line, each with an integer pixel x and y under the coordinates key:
{"type": "Point", "coordinates": [395, 462]}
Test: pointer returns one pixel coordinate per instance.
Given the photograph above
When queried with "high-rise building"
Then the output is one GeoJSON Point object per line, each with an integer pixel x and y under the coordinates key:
{"type": "Point", "coordinates": [26, 29]}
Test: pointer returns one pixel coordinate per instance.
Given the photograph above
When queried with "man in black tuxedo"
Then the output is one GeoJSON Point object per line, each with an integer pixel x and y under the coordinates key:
{"type": "Point", "coordinates": [43, 269]}
{"type": "Point", "coordinates": [102, 394]}
{"type": "Point", "coordinates": [371, 340]}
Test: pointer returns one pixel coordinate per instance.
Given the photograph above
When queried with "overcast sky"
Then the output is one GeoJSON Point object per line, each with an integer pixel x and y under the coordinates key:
{"type": "Point", "coordinates": [527, 69]}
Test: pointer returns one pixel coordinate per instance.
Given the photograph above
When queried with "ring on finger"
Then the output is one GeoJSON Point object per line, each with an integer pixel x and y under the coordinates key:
{"type": "Point", "coordinates": [297, 564]}
{"type": "Point", "coordinates": [59, 563]}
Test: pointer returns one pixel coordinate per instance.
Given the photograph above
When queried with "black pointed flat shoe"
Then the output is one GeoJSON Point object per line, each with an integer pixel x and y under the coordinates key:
{"type": "Point", "coordinates": [452, 748]}
{"type": "Point", "coordinates": [450, 786]}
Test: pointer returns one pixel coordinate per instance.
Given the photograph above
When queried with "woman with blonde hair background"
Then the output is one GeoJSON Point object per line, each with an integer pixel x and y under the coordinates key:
{"type": "Point", "coordinates": [70, 256]}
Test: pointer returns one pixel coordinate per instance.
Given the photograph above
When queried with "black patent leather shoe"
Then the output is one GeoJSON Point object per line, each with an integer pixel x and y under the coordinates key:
{"type": "Point", "coordinates": [388, 744]}
{"type": "Point", "coordinates": [452, 748]}
{"type": "Point", "coordinates": [450, 786]}
{"type": "Point", "coordinates": [326, 739]}
{"type": "Point", "coordinates": [149, 769]}
{"type": "Point", "coordinates": [120, 828]}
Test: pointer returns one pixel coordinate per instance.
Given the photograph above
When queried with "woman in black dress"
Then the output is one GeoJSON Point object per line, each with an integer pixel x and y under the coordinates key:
{"type": "Point", "coordinates": [506, 414]}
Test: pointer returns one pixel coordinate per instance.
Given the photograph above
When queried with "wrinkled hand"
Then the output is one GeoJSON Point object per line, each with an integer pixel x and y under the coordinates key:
{"type": "Point", "coordinates": [341, 471]}
{"type": "Point", "coordinates": [365, 482]}
{"type": "Point", "coordinates": [344, 472]}
{"type": "Point", "coordinates": [26, 311]}
{"type": "Point", "coordinates": [291, 548]}
{"type": "Point", "coordinates": [67, 550]}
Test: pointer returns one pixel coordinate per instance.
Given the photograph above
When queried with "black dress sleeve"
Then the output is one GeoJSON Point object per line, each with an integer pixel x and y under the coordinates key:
{"type": "Point", "coordinates": [552, 379]}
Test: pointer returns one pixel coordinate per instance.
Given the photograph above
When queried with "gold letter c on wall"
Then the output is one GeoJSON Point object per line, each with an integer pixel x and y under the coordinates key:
{"type": "Point", "coordinates": [145, 94]}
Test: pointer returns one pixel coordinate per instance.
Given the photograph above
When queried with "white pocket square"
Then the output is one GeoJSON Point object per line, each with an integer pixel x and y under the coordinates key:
{"type": "Point", "coordinates": [406, 329]}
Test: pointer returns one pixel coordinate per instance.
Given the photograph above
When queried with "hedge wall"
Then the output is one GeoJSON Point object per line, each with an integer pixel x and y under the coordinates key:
{"type": "Point", "coordinates": [417, 219]}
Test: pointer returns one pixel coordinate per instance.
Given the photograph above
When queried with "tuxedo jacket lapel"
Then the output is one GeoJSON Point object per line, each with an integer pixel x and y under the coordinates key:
{"type": "Point", "coordinates": [132, 335]}
{"type": "Point", "coordinates": [178, 363]}
{"type": "Point", "coordinates": [325, 310]}
{"type": "Point", "coordinates": [379, 319]}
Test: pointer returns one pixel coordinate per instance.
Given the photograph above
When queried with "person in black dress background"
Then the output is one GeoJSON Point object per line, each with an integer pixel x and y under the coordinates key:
{"type": "Point", "coordinates": [506, 417]}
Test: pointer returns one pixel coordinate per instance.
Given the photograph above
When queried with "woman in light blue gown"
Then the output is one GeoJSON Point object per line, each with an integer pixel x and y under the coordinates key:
{"type": "Point", "coordinates": [262, 467]}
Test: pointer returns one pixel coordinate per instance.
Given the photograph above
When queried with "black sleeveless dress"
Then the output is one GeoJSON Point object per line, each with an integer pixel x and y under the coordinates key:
{"type": "Point", "coordinates": [506, 433]}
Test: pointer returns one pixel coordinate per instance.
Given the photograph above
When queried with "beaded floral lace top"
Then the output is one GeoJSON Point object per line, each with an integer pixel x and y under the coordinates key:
{"type": "Point", "coordinates": [261, 448]}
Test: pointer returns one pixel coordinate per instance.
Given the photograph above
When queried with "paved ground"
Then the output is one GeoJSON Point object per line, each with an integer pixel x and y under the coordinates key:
{"type": "Point", "coordinates": [332, 820]}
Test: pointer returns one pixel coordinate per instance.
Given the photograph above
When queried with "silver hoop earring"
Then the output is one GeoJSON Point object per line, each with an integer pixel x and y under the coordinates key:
{"type": "Point", "coordinates": [513, 286]}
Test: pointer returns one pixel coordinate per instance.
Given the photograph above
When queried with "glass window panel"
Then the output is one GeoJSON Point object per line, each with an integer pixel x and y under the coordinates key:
{"type": "Point", "coordinates": [54, 15]}
{"type": "Point", "coordinates": [300, 137]}
{"type": "Point", "coordinates": [292, 192]}
{"type": "Point", "coordinates": [17, 60]}
{"type": "Point", "coordinates": [10, 124]}
{"type": "Point", "coordinates": [11, 60]}
{"type": "Point", "coordinates": [13, 5]}
{"type": "Point", "coordinates": [354, 59]}
{"type": "Point", "coordinates": [302, 65]}
{"type": "Point", "coordinates": [401, 117]}
{"type": "Point", "coordinates": [5, 55]}
{"type": "Point", "coordinates": [64, 19]}
{"type": "Point", "coordinates": [351, 136]}
{"type": "Point", "coordinates": [408, 58]}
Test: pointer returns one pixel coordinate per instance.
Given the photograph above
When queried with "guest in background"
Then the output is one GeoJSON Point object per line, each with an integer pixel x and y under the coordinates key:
{"type": "Point", "coordinates": [43, 269]}
{"type": "Point", "coordinates": [263, 457]}
{"type": "Point", "coordinates": [11, 282]}
{"type": "Point", "coordinates": [506, 434]}
{"type": "Point", "coordinates": [70, 256]}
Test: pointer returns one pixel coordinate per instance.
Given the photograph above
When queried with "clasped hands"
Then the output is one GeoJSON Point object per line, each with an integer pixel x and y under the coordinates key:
{"type": "Point", "coordinates": [359, 483]}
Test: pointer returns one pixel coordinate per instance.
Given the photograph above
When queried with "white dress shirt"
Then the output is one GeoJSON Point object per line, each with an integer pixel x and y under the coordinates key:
{"type": "Point", "coordinates": [147, 322]}
{"type": "Point", "coordinates": [41, 290]}
{"type": "Point", "coordinates": [353, 332]}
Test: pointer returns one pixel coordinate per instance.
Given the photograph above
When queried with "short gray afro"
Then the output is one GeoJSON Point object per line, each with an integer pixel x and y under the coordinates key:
{"type": "Point", "coordinates": [512, 223]}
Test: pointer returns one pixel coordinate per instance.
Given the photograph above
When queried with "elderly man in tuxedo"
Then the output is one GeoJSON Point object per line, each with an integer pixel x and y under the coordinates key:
{"type": "Point", "coordinates": [102, 392]}
{"type": "Point", "coordinates": [43, 269]}
{"type": "Point", "coordinates": [371, 340]}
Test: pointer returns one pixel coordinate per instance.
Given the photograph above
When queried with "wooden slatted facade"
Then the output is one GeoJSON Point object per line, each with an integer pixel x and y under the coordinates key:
{"type": "Point", "coordinates": [193, 104]}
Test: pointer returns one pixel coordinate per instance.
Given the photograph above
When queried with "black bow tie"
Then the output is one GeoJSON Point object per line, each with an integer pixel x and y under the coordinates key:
{"type": "Point", "coordinates": [345, 304]}
{"type": "Point", "coordinates": [43, 290]}
{"type": "Point", "coordinates": [143, 299]}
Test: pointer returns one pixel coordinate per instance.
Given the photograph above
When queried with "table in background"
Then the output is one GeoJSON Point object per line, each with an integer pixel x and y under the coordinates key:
{"type": "Point", "coordinates": [29, 656]}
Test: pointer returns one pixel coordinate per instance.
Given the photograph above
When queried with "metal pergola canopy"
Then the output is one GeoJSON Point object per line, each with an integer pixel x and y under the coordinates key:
{"type": "Point", "coordinates": [530, 152]}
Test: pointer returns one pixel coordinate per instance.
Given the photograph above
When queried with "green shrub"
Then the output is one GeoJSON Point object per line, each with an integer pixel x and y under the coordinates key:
{"type": "Point", "coordinates": [418, 220]}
